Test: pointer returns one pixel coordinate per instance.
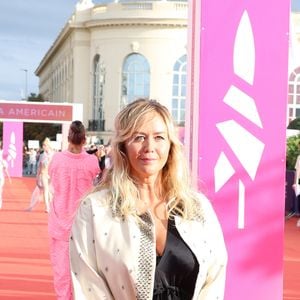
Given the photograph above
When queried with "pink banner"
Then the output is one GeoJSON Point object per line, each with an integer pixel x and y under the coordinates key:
{"type": "Point", "coordinates": [13, 147]}
{"type": "Point", "coordinates": [33, 111]}
{"type": "Point", "coordinates": [241, 134]}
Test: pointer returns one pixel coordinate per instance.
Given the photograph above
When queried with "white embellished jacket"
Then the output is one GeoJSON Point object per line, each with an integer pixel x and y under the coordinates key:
{"type": "Point", "coordinates": [115, 258]}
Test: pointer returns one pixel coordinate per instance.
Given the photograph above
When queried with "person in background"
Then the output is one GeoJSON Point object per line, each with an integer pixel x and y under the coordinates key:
{"type": "Point", "coordinates": [43, 173]}
{"type": "Point", "coordinates": [71, 175]}
{"type": "Point", "coordinates": [93, 150]}
{"type": "Point", "coordinates": [296, 186]}
{"type": "Point", "coordinates": [25, 159]}
{"type": "Point", "coordinates": [42, 189]}
{"type": "Point", "coordinates": [101, 157]}
{"type": "Point", "coordinates": [144, 232]}
{"type": "Point", "coordinates": [98, 151]}
{"type": "Point", "coordinates": [108, 162]}
{"type": "Point", "coordinates": [3, 173]}
{"type": "Point", "coordinates": [32, 162]}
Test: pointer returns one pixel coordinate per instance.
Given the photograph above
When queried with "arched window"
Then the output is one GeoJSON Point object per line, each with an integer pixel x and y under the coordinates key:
{"type": "Point", "coordinates": [135, 78]}
{"type": "Point", "coordinates": [98, 86]}
{"type": "Point", "coordinates": [294, 95]}
{"type": "Point", "coordinates": [179, 91]}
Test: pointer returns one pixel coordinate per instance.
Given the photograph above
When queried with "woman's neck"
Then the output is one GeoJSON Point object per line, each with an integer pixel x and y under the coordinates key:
{"type": "Point", "coordinates": [150, 194]}
{"type": "Point", "coordinates": [152, 199]}
{"type": "Point", "coordinates": [74, 148]}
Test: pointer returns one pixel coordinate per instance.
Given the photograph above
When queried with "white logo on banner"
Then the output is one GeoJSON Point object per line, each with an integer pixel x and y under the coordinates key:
{"type": "Point", "coordinates": [12, 150]}
{"type": "Point", "coordinates": [247, 148]}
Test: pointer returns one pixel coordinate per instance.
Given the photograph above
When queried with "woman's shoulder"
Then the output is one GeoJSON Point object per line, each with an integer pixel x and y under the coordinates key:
{"type": "Point", "coordinates": [96, 200]}
{"type": "Point", "coordinates": [203, 207]}
{"type": "Point", "coordinates": [90, 157]}
{"type": "Point", "coordinates": [202, 199]}
{"type": "Point", "coordinates": [56, 158]}
{"type": "Point", "coordinates": [58, 154]}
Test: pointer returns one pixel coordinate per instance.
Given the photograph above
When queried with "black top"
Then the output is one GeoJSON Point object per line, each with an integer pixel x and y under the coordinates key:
{"type": "Point", "coordinates": [176, 270]}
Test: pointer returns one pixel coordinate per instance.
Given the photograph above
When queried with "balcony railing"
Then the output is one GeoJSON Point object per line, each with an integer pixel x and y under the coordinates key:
{"type": "Point", "coordinates": [96, 125]}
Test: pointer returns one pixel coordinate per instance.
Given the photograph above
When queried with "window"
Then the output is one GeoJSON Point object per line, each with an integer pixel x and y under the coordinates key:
{"type": "Point", "coordinates": [135, 78]}
{"type": "Point", "coordinates": [294, 94]}
{"type": "Point", "coordinates": [179, 90]}
{"type": "Point", "coordinates": [98, 85]}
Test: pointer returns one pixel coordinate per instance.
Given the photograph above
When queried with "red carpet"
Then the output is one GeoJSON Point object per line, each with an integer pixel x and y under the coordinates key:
{"type": "Point", "coordinates": [25, 270]}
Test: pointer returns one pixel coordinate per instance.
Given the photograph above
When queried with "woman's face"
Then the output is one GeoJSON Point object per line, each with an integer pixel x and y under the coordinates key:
{"type": "Point", "coordinates": [148, 149]}
{"type": "Point", "coordinates": [46, 147]}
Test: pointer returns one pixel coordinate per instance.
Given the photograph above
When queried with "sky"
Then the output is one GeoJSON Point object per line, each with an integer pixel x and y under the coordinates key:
{"type": "Point", "coordinates": [28, 28]}
{"type": "Point", "coordinates": [295, 5]}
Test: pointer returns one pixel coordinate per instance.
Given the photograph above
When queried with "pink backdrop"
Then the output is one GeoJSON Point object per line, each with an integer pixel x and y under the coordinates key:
{"type": "Point", "coordinates": [240, 150]}
{"type": "Point", "coordinates": [13, 114]}
{"type": "Point", "coordinates": [13, 147]}
{"type": "Point", "coordinates": [35, 111]}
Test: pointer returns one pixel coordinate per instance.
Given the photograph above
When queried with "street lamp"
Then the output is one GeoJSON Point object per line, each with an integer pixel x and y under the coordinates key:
{"type": "Point", "coordinates": [26, 83]}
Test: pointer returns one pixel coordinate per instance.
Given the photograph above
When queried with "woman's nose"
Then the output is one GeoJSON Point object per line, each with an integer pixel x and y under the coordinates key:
{"type": "Point", "coordinates": [149, 144]}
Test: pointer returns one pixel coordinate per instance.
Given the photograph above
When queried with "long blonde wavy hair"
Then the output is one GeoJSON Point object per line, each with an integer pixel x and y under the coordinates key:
{"type": "Point", "coordinates": [175, 183]}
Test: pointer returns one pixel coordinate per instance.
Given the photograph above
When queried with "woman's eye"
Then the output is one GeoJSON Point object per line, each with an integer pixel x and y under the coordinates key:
{"type": "Point", "coordinates": [139, 138]}
{"type": "Point", "coordinates": [159, 137]}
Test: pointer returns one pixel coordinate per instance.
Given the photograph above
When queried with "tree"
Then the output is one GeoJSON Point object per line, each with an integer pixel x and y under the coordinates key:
{"type": "Point", "coordinates": [35, 98]}
{"type": "Point", "coordinates": [38, 131]}
{"type": "Point", "coordinates": [292, 151]}
{"type": "Point", "coordinates": [295, 124]}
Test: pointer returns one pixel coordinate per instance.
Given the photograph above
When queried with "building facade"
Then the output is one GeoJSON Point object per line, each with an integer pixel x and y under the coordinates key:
{"type": "Point", "coordinates": [112, 52]}
{"type": "Point", "coordinates": [293, 110]}
{"type": "Point", "coordinates": [109, 54]}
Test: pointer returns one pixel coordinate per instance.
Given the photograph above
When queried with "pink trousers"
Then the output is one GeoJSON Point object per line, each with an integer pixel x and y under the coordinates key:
{"type": "Point", "coordinates": [59, 255]}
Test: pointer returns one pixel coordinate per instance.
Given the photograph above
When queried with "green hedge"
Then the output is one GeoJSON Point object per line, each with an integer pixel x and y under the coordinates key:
{"type": "Point", "coordinates": [292, 151]}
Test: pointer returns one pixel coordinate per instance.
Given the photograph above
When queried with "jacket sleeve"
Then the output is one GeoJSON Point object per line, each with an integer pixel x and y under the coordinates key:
{"type": "Point", "coordinates": [214, 285]}
{"type": "Point", "coordinates": [215, 282]}
{"type": "Point", "coordinates": [88, 283]}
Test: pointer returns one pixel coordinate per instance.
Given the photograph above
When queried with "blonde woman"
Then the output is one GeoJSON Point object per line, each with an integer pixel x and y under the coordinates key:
{"type": "Point", "coordinates": [42, 189]}
{"type": "Point", "coordinates": [144, 233]}
{"type": "Point", "coordinates": [3, 173]}
{"type": "Point", "coordinates": [44, 162]}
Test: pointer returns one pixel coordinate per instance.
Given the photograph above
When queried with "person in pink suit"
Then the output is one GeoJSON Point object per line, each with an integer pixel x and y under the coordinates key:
{"type": "Point", "coordinates": [71, 175]}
